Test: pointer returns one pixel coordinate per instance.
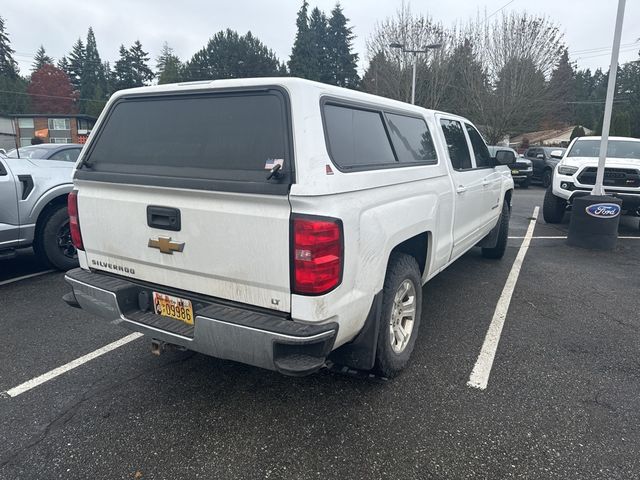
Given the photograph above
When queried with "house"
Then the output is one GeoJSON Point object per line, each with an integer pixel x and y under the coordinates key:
{"type": "Point", "coordinates": [52, 128]}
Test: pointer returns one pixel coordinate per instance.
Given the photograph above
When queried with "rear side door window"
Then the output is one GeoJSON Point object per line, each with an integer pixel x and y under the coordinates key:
{"type": "Point", "coordinates": [357, 138]}
{"type": "Point", "coordinates": [456, 144]}
{"type": "Point", "coordinates": [480, 150]}
{"type": "Point", "coordinates": [411, 139]}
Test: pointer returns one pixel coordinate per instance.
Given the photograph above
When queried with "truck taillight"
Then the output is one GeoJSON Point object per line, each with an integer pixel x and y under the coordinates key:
{"type": "Point", "coordinates": [74, 221]}
{"type": "Point", "coordinates": [317, 252]}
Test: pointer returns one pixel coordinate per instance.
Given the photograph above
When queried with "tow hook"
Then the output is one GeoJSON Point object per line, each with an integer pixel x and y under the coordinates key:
{"type": "Point", "coordinates": [157, 346]}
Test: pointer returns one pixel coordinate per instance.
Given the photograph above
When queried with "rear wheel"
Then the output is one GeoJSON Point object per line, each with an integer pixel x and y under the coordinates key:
{"type": "Point", "coordinates": [53, 243]}
{"type": "Point", "coordinates": [553, 207]}
{"type": "Point", "coordinates": [546, 178]}
{"type": "Point", "coordinates": [400, 319]}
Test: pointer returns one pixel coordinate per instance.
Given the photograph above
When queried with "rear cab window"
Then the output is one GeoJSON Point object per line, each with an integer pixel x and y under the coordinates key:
{"type": "Point", "coordinates": [220, 141]}
{"type": "Point", "coordinates": [359, 138]}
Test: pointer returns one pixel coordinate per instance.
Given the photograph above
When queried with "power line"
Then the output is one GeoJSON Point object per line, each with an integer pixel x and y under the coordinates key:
{"type": "Point", "coordinates": [52, 96]}
{"type": "Point", "coordinates": [500, 9]}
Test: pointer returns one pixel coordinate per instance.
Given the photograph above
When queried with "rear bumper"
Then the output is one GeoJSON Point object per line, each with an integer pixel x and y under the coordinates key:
{"type": "Point", "coordinates": [220, 329]}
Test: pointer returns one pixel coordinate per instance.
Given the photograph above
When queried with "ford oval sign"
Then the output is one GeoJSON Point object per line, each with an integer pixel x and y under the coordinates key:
{"type": "Point", "coordinates": [603, 210]}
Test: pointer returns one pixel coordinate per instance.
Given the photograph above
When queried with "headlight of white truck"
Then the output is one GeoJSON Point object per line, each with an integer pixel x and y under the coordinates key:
{"type": "Point", "coordinates": [567, 169]}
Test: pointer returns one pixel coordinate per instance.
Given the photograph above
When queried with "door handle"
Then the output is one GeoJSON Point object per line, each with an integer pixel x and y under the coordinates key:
{"type": "Point", "coordinates": [485, 182]}
{"type": "Point", "coordinates": [461, 189]}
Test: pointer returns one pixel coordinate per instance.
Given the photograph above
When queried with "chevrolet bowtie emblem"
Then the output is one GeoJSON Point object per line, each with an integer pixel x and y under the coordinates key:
{"type": "Point", "coordinates": [165, 245]}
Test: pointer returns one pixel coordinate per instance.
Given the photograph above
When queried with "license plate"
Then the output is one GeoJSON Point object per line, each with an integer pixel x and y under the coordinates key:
{"type": "Point", "coordinates": [515, 172]}
{"type": "Point", "coordinates": [173, 307]}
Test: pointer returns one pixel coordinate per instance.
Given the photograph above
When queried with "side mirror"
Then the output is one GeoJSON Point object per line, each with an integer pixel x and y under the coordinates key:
{"type": "Point", "coordinates": [556, 154]}
{"type": "Point", "coordinates": [540, 156]}
{"type": "Point", "coordinates": [505, 157]}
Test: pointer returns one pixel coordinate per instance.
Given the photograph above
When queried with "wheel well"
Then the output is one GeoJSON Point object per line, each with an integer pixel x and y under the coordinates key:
{"type": "Point", "coordinates": [417, 247]}
{"type": "Point", "coordinates": [55, 203]}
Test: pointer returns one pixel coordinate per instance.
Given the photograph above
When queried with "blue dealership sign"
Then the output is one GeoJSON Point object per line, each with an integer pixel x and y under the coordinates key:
{"type": "Point", "coordinates": [603, 210]}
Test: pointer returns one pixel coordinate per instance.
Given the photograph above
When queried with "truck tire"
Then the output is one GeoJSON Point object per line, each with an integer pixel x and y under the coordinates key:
{"type": "Point", "coordinates": [553, 207]}
{"type": "Point", "coordinates": [497, 252]}
{"type": "Point", "coordinates": [400, 315]}
{"type": "Point", "coordinates": [546, 178]}
{"type": "Point", "coordinates": [53, 240]}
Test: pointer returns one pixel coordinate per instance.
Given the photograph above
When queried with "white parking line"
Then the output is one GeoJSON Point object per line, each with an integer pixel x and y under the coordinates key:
{"type": "Point", "coordinates": [56, 372]}
{"type": "Point", "coordinates": [480, 375]}
{"type": "Point", "coordinates": [542, 237]}
{"type": "Point", "coordinates": [24, 277]}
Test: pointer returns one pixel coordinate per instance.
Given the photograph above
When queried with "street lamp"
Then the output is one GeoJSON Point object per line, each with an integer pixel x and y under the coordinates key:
{"type": "Point", "coordinates": [415, 53]}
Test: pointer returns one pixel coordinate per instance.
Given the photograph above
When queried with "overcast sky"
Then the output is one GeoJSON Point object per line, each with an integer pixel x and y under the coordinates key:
{"type": "Point", "coordinates": [188, 24]}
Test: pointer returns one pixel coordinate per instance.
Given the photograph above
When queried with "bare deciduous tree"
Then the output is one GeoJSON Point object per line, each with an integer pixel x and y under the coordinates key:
{"type": "Point", "coordinates": [493, 72]}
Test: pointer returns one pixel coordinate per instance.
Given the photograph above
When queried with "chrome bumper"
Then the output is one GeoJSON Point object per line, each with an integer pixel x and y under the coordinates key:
{"type": "Point", "coordinates": [219, 330]}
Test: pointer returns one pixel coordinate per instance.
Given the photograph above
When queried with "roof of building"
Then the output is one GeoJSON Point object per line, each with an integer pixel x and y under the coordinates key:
{"type": "Point", "coordinates": [541, 137]}
{"type": "Point", "coordinates": [50, 115]}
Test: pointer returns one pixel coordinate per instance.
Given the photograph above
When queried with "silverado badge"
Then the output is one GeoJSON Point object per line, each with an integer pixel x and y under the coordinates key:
{"type": "Point", "coordinates": [166, 245]}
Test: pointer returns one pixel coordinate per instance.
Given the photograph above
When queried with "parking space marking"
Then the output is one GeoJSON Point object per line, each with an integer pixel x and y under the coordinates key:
{"type": "Point", "coordinates": [24, 277]}
{"type": "Point", "coordinates": [560, 237]}
{"type": "Point", "coordinates": [56, 372]}
{"type": "Point", "coordinates": [479, 377]}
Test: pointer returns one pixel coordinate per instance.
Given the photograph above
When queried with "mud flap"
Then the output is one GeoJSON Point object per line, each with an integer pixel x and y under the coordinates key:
{"type": "Point", "coordinates": [491, 240]}
{"type": "Point", "coordinates": [360, 353]}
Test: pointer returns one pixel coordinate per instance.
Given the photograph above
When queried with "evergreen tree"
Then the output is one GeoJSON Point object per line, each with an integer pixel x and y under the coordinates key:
{"type": "Point", "coordinates": [621, 124]}
{"type": "Point", "coordinates": [561, 91]}
{"type": "Point", "coordinates": [139, 61]}
{"type": "Point", "coordinates": [302, 62]}
{"type": "Point", "coordinates": [93, 82]}
{"type": "Point", "coordinates": [229, 55]}
{"type": "Point", "coordinates": [41, 59]}
{"type": "Point", "coordinates": [342, 62]}
{"type": "Point", "coordinates": [17, 101]}
{"type": "Point", "coordinates": [8, 65]}
{"type": "Point", "coordinates": [76, 61]}
{"type": "Point", "coordinates": [168, 66]}
{"type": "Point", "coordinates": [629, 86]}
{"type": "Point", "coordinates": [577, 131]}
{"type": "Point", "coordinates": [123, 71]}
{"type": "Point", "coordinates": [318, 38]}
{"type": "Point", "coordinates": [63, 64]}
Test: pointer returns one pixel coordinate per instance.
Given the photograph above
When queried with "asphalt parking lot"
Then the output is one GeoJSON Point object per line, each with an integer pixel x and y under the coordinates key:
{"type": "Point", "coordinates": [562, 399]}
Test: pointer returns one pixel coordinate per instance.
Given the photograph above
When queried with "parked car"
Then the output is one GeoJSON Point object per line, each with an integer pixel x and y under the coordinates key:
{"type": "Point", "coordinates": [544, 160]}
{"type": "Point", "coordinates": [575, 175]}
{"type": "Point", "coordinates": [33, 209]}
{"type": "Point", "coordinates": [66, 152]}
{"type": "Point", "coordinates": [521, 170]}
{"type": "Point", "coordinates": [278, 221]}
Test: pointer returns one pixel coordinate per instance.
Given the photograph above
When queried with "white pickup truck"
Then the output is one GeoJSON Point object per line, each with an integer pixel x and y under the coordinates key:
{"type": "Point", "coordinates": [575, 175]}
{"type": "Point", "coordinates": [277, 221]}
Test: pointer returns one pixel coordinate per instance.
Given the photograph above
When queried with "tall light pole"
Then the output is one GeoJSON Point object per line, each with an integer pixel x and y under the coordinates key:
{"type": "Point", "coordinates": [595, 218]}
{"type": "Point", "coordinates": [415, 53]}
{"type": "Point", "coordinates": [608, 104]}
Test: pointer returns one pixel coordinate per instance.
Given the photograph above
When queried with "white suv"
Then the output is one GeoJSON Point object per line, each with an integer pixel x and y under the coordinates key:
{"type": "Point", "coordinates": [575, 175]}
{"type": "Point", "coordinates": [277, 221]}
